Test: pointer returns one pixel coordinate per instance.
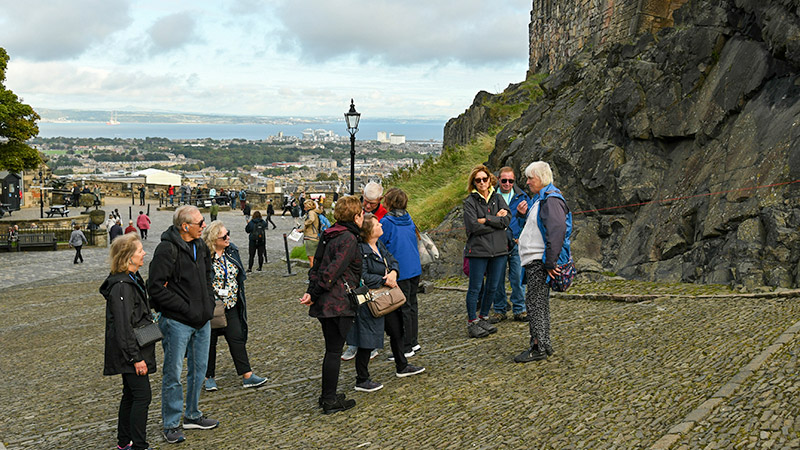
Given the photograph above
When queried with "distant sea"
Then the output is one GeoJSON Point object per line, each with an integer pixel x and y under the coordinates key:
{"type": "Point", "coordinates": [367, 130]}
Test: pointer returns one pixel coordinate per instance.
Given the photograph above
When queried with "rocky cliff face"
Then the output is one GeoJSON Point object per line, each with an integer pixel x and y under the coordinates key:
{"type": "Point", "coordinates": [663, 145]}
{"type": "Point", "coordinates": [703, 114]}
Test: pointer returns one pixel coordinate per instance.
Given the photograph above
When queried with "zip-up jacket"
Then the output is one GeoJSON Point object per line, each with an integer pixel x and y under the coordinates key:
{"type": "Point", "coordinates": [180, 280]}
{"type": "Point", "coordinates": [126, 308]}
{"type": "Point", "coordinates": [400, 237]}
{"type": "Point", "coordinates": [489, 239]}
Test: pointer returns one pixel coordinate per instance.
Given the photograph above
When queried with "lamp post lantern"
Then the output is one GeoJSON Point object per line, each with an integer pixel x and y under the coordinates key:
{"type": "Point", "coordinates": [352, 117]}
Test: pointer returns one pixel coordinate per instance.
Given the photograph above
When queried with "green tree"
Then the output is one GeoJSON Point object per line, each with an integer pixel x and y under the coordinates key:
{"type": "Point", "coordinates": [17, 125]}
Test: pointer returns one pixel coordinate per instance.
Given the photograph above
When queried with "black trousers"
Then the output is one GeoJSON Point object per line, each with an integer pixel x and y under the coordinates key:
{"type": "Point", "coordinates": [132, 419]}
{"type": "Point", "coordinates": [334, 330]}
{"type": "Point", "coordinates": [78, 254]}
{"type": "Point", "coordinates": [393, 325]}
{"type": "Point", "coordinates": [269, 220]}
{"type": "Point", "coordinates": [143, 232]}
{"type": "Point", "coordinates": [236, 337]}
{"type": "Point", "coordinates": [410, 312]}
{"type": "Point", "coordinates": [262, 255]}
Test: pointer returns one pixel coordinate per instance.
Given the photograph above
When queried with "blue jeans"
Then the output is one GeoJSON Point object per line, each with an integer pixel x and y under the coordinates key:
{"type": "Point", "coordinates": [517, 289]}
{"type": "Point", "coordinates": [493, 269]}
{"type": "Point", "coordinates": [182, 340]}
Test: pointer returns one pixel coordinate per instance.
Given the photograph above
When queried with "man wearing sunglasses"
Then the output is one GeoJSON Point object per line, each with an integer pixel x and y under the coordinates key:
{"type": "Point", "coordinates": [180, 289]}
{"type": "Point", "coordinates": [515, 198]}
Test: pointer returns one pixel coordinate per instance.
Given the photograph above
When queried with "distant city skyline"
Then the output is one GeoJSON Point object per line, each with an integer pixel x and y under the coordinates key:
{"type": "Point", "coordinates": [277, 58]}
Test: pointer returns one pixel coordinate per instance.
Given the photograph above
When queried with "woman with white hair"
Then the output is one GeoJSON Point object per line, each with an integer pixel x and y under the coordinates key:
{"type": "Point", "coordinates": [543, 247]}
{"type": "Point", "coordinates": [228, 283]}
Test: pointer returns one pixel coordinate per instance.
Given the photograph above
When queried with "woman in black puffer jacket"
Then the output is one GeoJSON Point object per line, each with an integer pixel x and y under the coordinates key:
{"type": "Point", "coordinates": [127, 307]}
{"type": "Point", "coordinates": [486, 217]}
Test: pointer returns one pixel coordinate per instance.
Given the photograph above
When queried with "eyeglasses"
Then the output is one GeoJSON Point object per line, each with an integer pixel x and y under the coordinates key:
{"type": "Point", "coordinates": [481, 180]}
{"type": "Point", "coordinates": [507, 181]}
{"type": "Point", "coordinates": [199, 224]}
{"type": "Point", "coordinates": [225, 236]}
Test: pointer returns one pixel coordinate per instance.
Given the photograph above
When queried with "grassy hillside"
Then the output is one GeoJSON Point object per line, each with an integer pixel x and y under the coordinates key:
{"type": "Point", "coordinates": [437, 185]}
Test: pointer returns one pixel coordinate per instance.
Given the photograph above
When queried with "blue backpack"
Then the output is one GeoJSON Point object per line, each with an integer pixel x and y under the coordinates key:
{"type": "Point", "coordinates": [324, 224]}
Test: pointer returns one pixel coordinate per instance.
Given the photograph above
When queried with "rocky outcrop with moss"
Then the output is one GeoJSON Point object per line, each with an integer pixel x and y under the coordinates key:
{"type": "Point", "coordinates": [704, 114]}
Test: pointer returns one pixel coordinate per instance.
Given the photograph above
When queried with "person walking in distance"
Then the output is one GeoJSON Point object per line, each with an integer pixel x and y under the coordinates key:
{"type": "Point", "coordinates": [143, 222]}
{"type": "Point", "coordinates": [270, 213]}
{"type": "Point", "coordinates": [257, 229]}
{"type": "Point", "coordinates": [76, 240]}
{"type": "Point", "coordinates": [180, 289]}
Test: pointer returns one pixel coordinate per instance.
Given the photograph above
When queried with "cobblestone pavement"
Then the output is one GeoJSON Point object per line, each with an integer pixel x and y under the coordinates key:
{"type": "Point", "coordinates": [624, 376]}
{"type": "Point", "coordinates": [33, 266]}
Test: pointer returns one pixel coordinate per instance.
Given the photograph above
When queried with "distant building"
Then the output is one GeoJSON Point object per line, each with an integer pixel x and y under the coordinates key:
{"type": "Point", "coordinates": [383, 137]}
{"type": "Point", "coordinates": [397, 139]}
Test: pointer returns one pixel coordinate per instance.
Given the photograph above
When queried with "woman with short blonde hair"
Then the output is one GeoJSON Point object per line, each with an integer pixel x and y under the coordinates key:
{"type": "Point", "coordinates": [127, 308]}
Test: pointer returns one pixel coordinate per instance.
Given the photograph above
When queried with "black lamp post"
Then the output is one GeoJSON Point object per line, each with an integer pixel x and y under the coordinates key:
{"type": "Point", "coordinates": [352, 117]}
{"type": "Point", "coordinates": [41, 181]}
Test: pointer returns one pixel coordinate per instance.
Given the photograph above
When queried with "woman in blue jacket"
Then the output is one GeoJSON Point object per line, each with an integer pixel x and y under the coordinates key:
{"type": "Point", "coordinates": [400, 237]}
{"type": "Point", "coordinates": [544, 245]}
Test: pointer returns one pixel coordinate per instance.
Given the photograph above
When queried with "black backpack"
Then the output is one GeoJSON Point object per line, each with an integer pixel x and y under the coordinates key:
{"type": "Point", "coordinates": [260, 231]}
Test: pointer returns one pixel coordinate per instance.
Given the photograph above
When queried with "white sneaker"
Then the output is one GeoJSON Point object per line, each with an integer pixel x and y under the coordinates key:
{"type": "Point", "coordinates": [349, 353]}
{"type": "Point", "coordinates": [373, 354]}
{"type": "Point", "coordinates": [416, 348]}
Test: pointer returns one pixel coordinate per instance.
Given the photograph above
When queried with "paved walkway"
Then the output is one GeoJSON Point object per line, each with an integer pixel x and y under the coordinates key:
{"type": "Point", "coordinates": [33, 266]}
{"type": "Point", "coordinates": [678, 373]}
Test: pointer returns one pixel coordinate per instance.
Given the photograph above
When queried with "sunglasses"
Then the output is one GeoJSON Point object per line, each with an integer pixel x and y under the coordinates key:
{"type": "Point", "coordinates": [199, 224]}
{"type": "Point", "coordinates": [226, 236]}
{"type": "Point", "coordinates": [507, 181]}
{"type": "Point", "coordinates": [481, 180]}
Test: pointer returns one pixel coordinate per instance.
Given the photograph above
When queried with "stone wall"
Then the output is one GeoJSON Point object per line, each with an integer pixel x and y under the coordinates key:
{"type": "Point", "coordinates": [559, 29]}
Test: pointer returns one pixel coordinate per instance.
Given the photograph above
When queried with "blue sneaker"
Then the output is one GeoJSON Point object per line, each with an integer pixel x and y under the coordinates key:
{"type": "Point", "coordinates": [253, 381]}
{"type": "Point", "coordinates": [210, 385]}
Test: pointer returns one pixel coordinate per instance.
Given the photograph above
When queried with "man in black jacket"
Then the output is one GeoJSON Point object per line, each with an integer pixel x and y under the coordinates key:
{"type": "Point", "coordinates": [180, 289]}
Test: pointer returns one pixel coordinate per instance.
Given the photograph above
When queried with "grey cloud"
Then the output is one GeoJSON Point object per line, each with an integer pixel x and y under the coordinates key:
{"type": "Point", "coordinates": [44, 30]}
{"type": "Point", "coordinates": [172, 32]}
{"type": "Point", "coordinates": [467, 31]}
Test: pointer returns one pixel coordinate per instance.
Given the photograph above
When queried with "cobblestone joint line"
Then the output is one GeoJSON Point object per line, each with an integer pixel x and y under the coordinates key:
{"type": "Point", "coordinates": [685, 426]}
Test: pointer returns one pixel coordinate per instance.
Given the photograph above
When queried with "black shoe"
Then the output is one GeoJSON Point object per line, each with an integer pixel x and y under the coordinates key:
{"type": "Point", "coordinates": [338, 397]}
{"type": "Point", "coordinates": [249, 270]}
{"type": "Point", "coordinates": [532, 354]}
{"type": "Point", "coordinates": [341, 404]}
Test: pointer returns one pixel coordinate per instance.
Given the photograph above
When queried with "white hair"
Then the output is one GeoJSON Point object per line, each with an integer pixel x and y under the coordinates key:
{"type": "Point", "coordinates": [373, 191]}
{"type": "Point", "coordinates": [542, 170]}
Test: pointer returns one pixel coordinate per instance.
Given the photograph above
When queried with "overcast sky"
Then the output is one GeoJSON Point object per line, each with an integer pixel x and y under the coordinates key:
{"type": "Point", "coordinates": [397, 59]}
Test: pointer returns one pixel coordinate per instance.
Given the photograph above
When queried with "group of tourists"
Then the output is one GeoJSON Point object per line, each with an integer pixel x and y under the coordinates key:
{"type": "Point", "coordinates": [362, 249]}
{"type": "Point", "coordinates": [196, 274]}
{"type": "Point", "coordinates": [372, 242]}
{"type": "Point", "coordinates": [507, 229]}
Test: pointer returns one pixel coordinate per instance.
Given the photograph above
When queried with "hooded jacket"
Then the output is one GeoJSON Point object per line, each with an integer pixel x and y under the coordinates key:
{"type": "Point", "coordinates": [489, 239]}
{"type": "Point", "coordinates": [126, 308]}
{"type": "Point", "coordinates": [400, 237]}
{"type": "Point", "coordinates": [338, 260]}
{"type": "Point", "coordinates": [180, 282]}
